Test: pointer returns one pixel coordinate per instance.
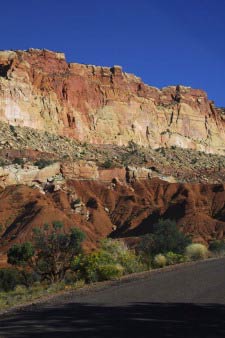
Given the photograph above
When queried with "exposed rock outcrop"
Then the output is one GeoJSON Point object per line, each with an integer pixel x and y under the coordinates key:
{"type": "Point", "coordinates": [28, 174]}
{"type": "Point", "coordinates": [39, 89]}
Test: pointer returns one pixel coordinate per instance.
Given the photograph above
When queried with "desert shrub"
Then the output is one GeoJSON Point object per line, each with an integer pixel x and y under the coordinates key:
{"type": "Point", "coordinates": [159, 261]}
{"type": "Point", "coordinates": [89, 266]}
{"type": "Point", "coordinates": [173, 258]}
{"type": "Point", "coordinates": [217, 246]}
{"type": "Point", "coordinates": [51, 253]}
{"type": "Point", "coordinates": [12, 129]}
{"type": "Point", "coordinates": [114, 247]}
{"type": "Point", "coordinates": [9, 279]}
{"type": "Point", "coordinates": [112, 260]}
{"type": "Point", "coordinates": [131, 262]}
{"type": "Point", "coordinates": [70, 278]}
{"type": "Point", "coordinates": [196, 251]}
{"type": "Point", "coordinates": [19, 254]}
{"type": "Point", "coordinates": [19, 161]}
{"type": "Point", "coordinates": [147, 244]}
{"type": "Point", "coordinates": [2, 162]}
{"type": "Point", "coordinates": [165, 237]}
{"type": "Point", "coordinates": [92, 203]}
{"type": "Point", "coordinates": [133, 147]}
{"type": "Point", "coordinates": [168, 237]}
{"type": "Point", "coordinates": [107, 164]}
{"type": "Point", "coordinates": [42, 163]}
{"type": "Point", "coordinates": [110, 271]}
{"type": "Point", "coordinates": [123, 256]}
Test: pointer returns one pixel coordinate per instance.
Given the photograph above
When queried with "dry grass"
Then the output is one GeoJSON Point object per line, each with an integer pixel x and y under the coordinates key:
{"type": "Point", "coordinates": [22, 295]}
{"type": "Point", "coordinates": [197, 251]}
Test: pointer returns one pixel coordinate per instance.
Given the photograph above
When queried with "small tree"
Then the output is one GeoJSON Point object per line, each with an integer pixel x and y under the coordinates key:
{"type": "Point", "coordinates": [51, 253]}
{"type": "Point", "coordinates": [169, 238]}
{"type": "Point", "coordinates": [165, 237]}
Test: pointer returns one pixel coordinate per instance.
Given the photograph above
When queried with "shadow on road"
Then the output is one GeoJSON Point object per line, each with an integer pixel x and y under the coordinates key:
{"type": "Point", "coordinates": [135, 320]}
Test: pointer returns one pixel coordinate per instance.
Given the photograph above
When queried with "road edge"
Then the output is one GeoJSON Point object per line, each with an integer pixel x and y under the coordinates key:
{"type": "Point", "coordinates": [99, 286]}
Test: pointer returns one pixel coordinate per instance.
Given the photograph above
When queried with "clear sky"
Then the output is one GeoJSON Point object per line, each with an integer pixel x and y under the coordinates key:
{"type": "Point", "coordinates": [165, 42]}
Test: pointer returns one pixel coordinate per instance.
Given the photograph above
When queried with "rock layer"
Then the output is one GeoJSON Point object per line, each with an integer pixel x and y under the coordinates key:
{"type": "Point", "coordinates": [102, 105]}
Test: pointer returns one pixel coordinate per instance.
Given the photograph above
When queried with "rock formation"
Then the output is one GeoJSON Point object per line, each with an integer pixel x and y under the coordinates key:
{"type": "Point", "coordinates": [102, 105]}
{"type": "Point", "coordinates": [97, 148]}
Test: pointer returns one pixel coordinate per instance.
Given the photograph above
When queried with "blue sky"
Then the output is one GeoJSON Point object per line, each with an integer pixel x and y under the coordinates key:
{"type": "Point", "coordinates": [165, 42]}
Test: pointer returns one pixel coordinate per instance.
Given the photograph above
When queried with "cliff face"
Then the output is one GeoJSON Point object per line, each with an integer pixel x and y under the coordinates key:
{"type": "Point", "coordinates": [39, 89]}
{"type": "Point", "coordinates": [47, 105]}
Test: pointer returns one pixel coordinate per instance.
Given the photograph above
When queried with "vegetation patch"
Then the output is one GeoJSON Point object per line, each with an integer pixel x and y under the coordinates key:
{"type": "Point", "coordinates": [42, 163]}
{"type": "Point", "coordinates": [197, 251]}
{"type": "Point", "coordinates": [112, 260]}
{"type": "Point", "coordinates": [54, 261]}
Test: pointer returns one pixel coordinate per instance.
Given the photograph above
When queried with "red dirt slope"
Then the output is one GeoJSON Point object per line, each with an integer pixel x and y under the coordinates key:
{"type": "Point", "coordinates": [114, 209]}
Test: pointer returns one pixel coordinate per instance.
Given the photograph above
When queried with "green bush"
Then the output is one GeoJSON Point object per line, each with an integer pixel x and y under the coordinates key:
{"type": "Point", "coordinates": [19, 254]}
{"type": "Point", "coordinates": [169, 238]}
{"type": "Point", "coordinates": [112, 260]}
{"type": "Point", "coordinates": [70, 278]}
{"type": "Point", "coordinates": [165, 237]}
{"type": "Point", "coordinates": [2, 162]}
{"type": "Point", "coordinates": [173, 258]}
{"type": "Point", "coordinates": [147, 244]}
{"type": "Point", "coordinates": [159, 261]}
{"type": "Point", "coordinates": [89, 266]}
{"type": "Point", "coordinates": [217, 247]}
{"type": "Point", "coordinates": [110, 271]}
{"type": "Point", "coordinates": [114, 247]}
{"type": "Point", "coordinates": [107, 164]}
{"type": "Point", "coordinates": [51, 253]}
{"type": "Point", "coordinates": [42, 163]}
{"type": "Point", "coordinates": [196, 251]}
{"type": "Point", "coordinates": [9, 279]}
{"type": "Point", "coordinates": [131, 263]}
{"type": "Point", "coordinates": [123, 256]}
{"type": "Point", "coordinates": [12, 129]}
{"type": "Point", "coordinates": [19, 161]}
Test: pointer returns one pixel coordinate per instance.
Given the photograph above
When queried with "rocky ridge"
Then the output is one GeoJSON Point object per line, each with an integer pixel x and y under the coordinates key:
{"type": "Point", "coordinates": [39, 89]}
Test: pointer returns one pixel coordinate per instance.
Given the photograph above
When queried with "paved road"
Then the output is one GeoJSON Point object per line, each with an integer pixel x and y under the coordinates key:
{"type": "Point", "coordinates": [188, 301]}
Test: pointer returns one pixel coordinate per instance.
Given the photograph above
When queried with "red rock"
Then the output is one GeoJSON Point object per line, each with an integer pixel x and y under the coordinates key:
{"type": "Point", "coordinates": [39, 89]}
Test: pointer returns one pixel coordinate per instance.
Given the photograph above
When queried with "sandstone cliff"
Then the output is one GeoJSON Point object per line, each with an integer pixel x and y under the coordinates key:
{"type": "Point", "coordinates": [87, 145]}
{"type": "Point", "coordinates": [102, 105]}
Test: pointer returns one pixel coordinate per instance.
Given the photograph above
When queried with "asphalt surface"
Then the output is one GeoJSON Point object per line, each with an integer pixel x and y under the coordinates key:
{"type": "Point", "coordinates": [188, 301]}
